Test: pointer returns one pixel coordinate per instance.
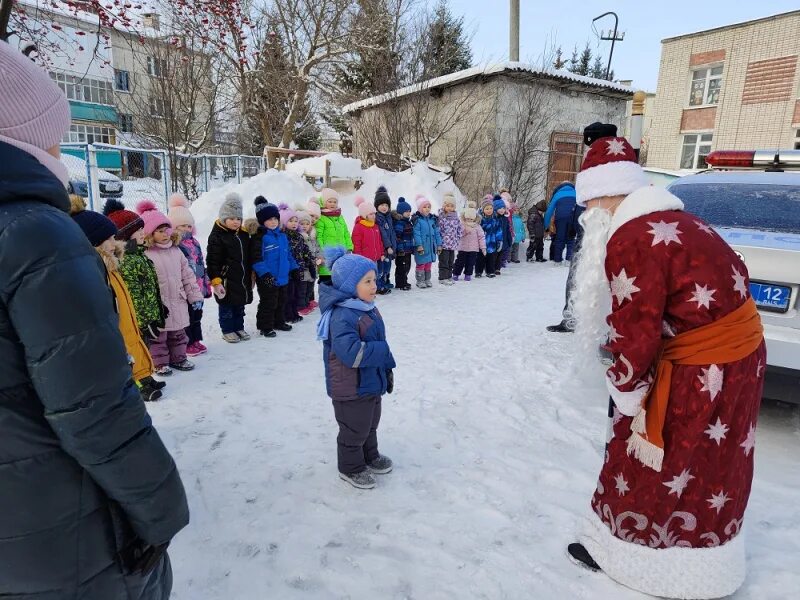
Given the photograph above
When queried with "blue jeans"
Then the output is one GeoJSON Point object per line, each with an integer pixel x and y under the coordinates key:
{"type": "Point", "coordinates": [384, 269]}
{"type": "Point", "coordinates": [231, 318]}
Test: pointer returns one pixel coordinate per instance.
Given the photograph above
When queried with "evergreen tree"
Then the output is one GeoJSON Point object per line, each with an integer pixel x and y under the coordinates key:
{"type": "Point", "coordinates": [446, 47]}
{"type": "Point", "coordinates": [558, 61]}
{"type": "Point", "coordinates": [598, 70]}
{"type": "Point", "coordinates": [584, 64]}
{"type": "Point", "coordinates": [573, 61]}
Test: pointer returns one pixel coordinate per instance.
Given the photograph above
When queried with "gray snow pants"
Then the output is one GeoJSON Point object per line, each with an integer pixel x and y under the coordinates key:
{"type": "Point", "coordinates": [358, 432]}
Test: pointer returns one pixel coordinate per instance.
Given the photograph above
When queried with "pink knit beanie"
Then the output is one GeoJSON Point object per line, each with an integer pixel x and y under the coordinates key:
{"type": "Point", "coordinates": [35, 113]}
{"type": "Point", "coordinates": [422, 201]}
{"type": "Point", "coordinates": [152, 217]}
{"type": "Point", "coordinates": [179, 213]}
{"type": "Point", "coordinates": [286, 213]}
{"type": "Point", "coordinates": [326, 194]}
{"type": "Point", "coordinates": [313, 208]}
{"type": "Point", "coordinates": [364, 207]}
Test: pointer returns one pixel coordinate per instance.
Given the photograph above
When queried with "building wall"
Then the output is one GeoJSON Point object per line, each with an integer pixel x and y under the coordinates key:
{"type": "Point", "coordinates": [758, 104]}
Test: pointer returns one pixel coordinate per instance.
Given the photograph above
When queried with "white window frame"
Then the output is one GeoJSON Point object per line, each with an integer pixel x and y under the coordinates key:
{"type": "Point", "coordinates": [127, 88]}
{"type": "Point", "coordinates": [125, 119]}
{"type": "Point", "coordinates": [155, 103]}
{"type": "Point", "coordinates": [80, 133]}
{"type": "Point", "coordinates": [698, 143]}
{"type": "Point", "coordinates": [156, 67]}
{"type": "Point", "coordinates": [707, 79]}
{"type": "Point", "coordinates": [90, 91]}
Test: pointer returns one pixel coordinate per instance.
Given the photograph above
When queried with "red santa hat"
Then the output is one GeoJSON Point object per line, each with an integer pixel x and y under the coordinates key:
{"type": "Point", "coordinates": [609, 169]}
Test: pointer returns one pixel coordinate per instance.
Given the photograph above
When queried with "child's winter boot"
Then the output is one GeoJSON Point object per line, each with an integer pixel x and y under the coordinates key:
{"type": "Point", "coordinates": [381, 465]}
{"type": "Point", "coordinates": [420, 279]}
{"type": "Point", "coordinates": [428, 283]}
{"type": "Point", "coordinates": [363, 480]}
{"type": "Point", "coordinates": [467, 277]}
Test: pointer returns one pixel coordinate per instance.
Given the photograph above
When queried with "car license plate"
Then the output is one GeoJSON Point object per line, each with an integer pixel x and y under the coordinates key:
{"type": "Point", "coordinates": [112, 186]}
{"type": "Point", "coordinates": [771, 297]}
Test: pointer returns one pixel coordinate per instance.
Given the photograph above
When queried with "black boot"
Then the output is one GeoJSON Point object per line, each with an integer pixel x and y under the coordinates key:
{"type": "Point", "coordinates": [149, 381]}
{"type": "Point", "coordinates": [580, 556]}
{"type": "Point", "coordinates": [560, 328]}
{"type": "Point", "coordinates": [283, 327]}
{"type": "Point", "coordinates": [149, 393]}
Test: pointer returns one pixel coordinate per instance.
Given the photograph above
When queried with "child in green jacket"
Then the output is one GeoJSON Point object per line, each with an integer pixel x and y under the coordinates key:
{"type": "Point", "coordinates": [331, 229]}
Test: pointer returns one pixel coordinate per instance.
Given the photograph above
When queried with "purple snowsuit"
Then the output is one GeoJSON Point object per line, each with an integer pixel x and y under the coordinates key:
{"type": "Point", "coordinates": [451, 229]}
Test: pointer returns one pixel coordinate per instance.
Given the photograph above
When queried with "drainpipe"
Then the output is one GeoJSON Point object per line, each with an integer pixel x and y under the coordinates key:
{"type": "Point", "coordinates": [513, 49]}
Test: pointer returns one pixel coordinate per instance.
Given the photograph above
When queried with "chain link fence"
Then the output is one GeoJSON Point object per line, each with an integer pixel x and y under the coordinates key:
{"type": "Point", "coordinates": [101, 171]}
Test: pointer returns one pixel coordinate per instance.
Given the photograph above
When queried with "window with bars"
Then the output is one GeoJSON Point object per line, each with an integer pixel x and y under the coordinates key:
{"type": "Point", "coordinates": [695, 149]}
{"type": "Point", "coordinates": [122, 81]}
{"type": "Point", "coordinates": [156, 67]}
{"type": "Point", "coordinates": [81, 133]}
{"type": "Point", "coordinates": [706, 85]}
{"type": "Point", "coordinates": [126, 123]}
{"type": "Point", "coordinates": [96, 91]}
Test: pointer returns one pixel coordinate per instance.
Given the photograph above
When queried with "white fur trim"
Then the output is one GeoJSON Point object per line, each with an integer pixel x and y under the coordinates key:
{"type": "Point", "coordinates": [628, 403]}
{"type": "Point", "coordinates": [676, 572]}
{"type": "Point", "coordinates": [612, 179]}
{"type": "Point", "coordinates": [642, 202]}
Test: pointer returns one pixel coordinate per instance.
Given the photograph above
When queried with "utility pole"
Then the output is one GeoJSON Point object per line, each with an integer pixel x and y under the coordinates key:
{"type": "Point", "coordinates": [612, 37]}
{"type": "Point", "coordinates": [513, 41]}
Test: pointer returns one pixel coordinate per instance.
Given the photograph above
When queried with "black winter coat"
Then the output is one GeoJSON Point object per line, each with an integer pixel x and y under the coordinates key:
{"type": "Point", "coordinates": [83, 473]}
{"type": "Point", "coordinates": [535, 224]}
{"type": "Point", "coordinates": [228, 261]}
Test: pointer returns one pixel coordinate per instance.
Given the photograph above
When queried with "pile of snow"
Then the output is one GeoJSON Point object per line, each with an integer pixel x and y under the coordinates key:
{"type": "Point", "coordinates": [292, 188]}
{"type": "Point", "coordinates": [341, 167]}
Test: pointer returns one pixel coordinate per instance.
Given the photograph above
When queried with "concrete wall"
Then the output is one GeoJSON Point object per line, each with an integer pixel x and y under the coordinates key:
{"type": "Point", "coordinates": [758, 112]}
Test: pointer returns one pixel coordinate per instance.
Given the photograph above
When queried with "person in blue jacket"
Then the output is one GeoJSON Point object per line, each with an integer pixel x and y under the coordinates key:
{"type": "Point", "coordinates": [272, 263]}
{"type": "Point", "coordinates": [562, 208]}
{"type": "Point", "coordinates": [501, 214]}
{"type": "Point", "coordinates": [404, 234]}
{"type": "Point", "coordinates": [384, 221]}
{"type": "Point", "coordinates": [427, 241]}
{"type": "Point", "coordinates": [493, 232]}
{"type": "Point", "coordinates": [358, 363]}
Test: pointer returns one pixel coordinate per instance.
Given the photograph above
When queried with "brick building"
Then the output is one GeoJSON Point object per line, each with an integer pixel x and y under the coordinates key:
{"type": "Point", "coordinates": [733, 87]}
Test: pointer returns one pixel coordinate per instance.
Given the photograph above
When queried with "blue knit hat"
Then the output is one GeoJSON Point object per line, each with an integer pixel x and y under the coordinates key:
{"type": "Point", "coordinates": [402, 206]}
{"type": "Point", "coordinates": [347, 269]}
{"type": "Point", "coordinates": [98, 228]}
{"type": "Point", "coordinates": [498, 202]}
{"type": "Point", "coordinates": [265, 210]}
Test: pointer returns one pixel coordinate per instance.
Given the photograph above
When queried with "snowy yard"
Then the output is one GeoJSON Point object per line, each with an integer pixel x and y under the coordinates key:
{"type": "Point", "coordinates": [496, 443]}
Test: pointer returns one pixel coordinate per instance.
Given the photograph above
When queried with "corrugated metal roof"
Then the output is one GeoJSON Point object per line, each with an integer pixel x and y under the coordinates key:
{"type": "Point", "coordinates": [490, 70]}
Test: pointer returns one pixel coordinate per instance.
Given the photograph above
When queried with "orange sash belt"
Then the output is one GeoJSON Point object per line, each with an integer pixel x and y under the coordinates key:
{"type": "Point", "coordinates": [734, 337]}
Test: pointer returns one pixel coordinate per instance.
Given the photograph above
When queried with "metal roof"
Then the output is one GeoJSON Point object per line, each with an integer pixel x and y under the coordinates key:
{"type": "Point", "coordinates": [611, 88]}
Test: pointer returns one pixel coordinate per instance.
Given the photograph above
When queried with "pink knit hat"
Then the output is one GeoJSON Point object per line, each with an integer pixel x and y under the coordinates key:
{"type": "Point", "coordinates": [152, 217]}
{"type": "Point", "coordinates": [422, 201]}
{"type": "Point", "coordinates": [35, 113]}
{"type": "Point", "coordinates": [326, 194]}
{"type": "Point", "coordinates": [179, 213]}
{"type": "Point", "coordinates": [313, 208]}
{"type": "Point", "coordinates": [364, 207]}
{"type": "Point", "coordinates": [286, 213]}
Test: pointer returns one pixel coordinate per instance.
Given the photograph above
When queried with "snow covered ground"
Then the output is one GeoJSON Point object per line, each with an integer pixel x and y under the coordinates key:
{"type": "Point", "coordinates": [497, 445]}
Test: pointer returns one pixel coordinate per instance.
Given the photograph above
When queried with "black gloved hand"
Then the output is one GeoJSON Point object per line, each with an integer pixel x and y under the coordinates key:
{"type": "Point", "coordinates": [140, 558]}
{"type": "Point", "coordinates": [389, 381]}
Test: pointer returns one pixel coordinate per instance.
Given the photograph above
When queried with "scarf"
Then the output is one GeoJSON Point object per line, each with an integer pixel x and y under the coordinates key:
{"type": "Point", "coordinates": [336, 212]}
{"type": "Point", "coordinates": [324, 325]}
{"type": "Point", "coordinates": [366, 223]}
{"type": "Point", "coordinates": [732, 338]}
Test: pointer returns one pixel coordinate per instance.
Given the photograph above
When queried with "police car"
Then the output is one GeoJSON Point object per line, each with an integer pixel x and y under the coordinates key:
{"type": "Point", "coordinates": [752, 199]}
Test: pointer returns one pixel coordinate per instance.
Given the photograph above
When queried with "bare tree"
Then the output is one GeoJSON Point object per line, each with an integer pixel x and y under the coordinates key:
{"type": "Point", "coordinates": [522, 146]}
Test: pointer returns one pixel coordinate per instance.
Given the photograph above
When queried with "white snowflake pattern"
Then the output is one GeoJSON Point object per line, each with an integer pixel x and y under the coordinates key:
{"type": "Point", "coordinates": [703, 296]}
{"type": "Point", "coordinates": [621, 485]}
{"type": "Point", "coordinates": [750, 441]}
{"type": "Point", "coordinates": [718, 501]}
{"type": "Point", "coordinates": [613, 334]}
{"type": "Point", "coordinates": [711, 379]}
{"type": "Point", "coordinates": [622, 287]}
{"type": "Point", "coordinates": [679, 483]}
{"type": "Point", "coordinates": [665, 232]}
{"type": "Point", "coordinates": [740, 283]}
{"type": "Point", "coordinates": [717, 431]}
{"type": "Point", "coordinates": [759, 368]}
{"type": "Point", "coordinates": [616, 147]}
{"type": "Point", "coordinates": [704, 227]}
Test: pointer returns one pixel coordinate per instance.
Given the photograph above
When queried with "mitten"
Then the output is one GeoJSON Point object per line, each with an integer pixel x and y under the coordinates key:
{"type": "Point", "coordinates": [389, 381]}
{"type": "Point", "coordinates": [197, 305]}
{"type": "Point", "coordinates": [219, 290]}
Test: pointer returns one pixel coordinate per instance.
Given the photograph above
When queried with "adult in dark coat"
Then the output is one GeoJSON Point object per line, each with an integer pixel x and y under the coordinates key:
{"type": "Point", "coordinates": [89, 495]}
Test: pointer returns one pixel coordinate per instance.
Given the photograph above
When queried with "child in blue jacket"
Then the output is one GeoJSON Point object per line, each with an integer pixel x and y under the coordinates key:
{"type": "Point", "coordinates": [493, 231]}
{"type": "Point", "coordinates": [272, 262]}
{"type": "Point", "coordinates": [404, 233]}
{"type": "Point", "coordinates": [358, 363]}
{"type": "Point", "coordinates": [427, 241]}
{"type": "Point", "coordinates": [500, 212]}
{"type": "Point", "coordinates": [385, 222]}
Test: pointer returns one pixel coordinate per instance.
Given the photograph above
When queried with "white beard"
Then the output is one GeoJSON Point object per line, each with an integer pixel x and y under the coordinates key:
{"type": "Point", "coordinates": [590, 300]}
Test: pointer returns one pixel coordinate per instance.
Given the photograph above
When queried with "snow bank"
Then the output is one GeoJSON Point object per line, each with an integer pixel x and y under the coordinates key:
{"type": "Point", "coordinates": [341, 167]}
{"type": "Point", "coordinates": [292, 188]}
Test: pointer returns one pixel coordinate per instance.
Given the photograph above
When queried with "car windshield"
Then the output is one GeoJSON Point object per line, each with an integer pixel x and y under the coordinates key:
{"type": "Point", "coordinates": [743, 205]}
